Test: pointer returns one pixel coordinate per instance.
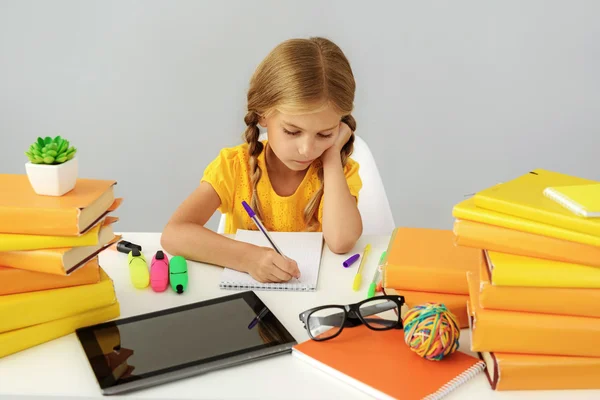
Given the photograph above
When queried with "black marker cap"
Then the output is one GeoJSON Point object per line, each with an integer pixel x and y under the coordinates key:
{"type": "Point", "coordinates": [179, 289]}
{"type": "Point", "coordinates": [160, 255]}
{"type": "Point", "coordinates": [135, 252]}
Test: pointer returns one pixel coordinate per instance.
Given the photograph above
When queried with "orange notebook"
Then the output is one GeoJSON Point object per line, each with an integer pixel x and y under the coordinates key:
{"type": "Point", "coordinates": [14, 280]}
{"type": "Point", "coordinates": [62, 261]}
{"type": "Point", "coordinates": [507, 371]}
{"type": "Point", "coordinates": [563, 301]}
{"type": "Point", "coordinates": [380, 364]}
{"type": "Point", "coordinates": [504, 240]}
{"type": "Point", "coordinates": [529, 333]}
{"type": "Point", "coordinates": [427, 260]}
{"type": "Point", "coordinates": [456, 303]}
{"type": "Point", "coordinates": [24, 211]}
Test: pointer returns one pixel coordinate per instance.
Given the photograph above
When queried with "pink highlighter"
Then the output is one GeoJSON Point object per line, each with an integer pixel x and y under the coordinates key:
{"type": "Point", "coordinates": [159, 272]}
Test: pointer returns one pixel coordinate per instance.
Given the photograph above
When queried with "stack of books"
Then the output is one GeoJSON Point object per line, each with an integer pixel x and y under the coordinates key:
{"type": "Point", "coordinates": [425, 266]}
{"type": "Point", "coordinates": [50, 280]}
{"type": "Point", "coordinates": [534, 303]}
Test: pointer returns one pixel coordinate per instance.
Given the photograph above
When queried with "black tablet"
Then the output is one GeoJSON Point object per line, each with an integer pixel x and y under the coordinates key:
{"type": "Point", "coordinates": [163, 346]}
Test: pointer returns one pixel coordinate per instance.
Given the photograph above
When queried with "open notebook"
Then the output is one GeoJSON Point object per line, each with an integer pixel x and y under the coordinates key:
{"type": "Point", "coordinates": [303, 247]}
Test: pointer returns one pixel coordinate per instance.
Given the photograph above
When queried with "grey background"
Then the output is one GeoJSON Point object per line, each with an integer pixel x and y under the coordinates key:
{"type": "Point", "coordinates": [452, 96]}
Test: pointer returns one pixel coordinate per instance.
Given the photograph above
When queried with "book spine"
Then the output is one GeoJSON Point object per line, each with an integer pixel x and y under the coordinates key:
{"type": "Point", "coordinates": [534, 372]}
{"type": "Point", "coordinates": [21, 339]}
{"type": "Point", "coordinates": [27, 309]}
{"type": "Point", "coordinates": [14, 280]}
{"type": "Point", "coordinates": [45, 260]}
{"type": "Point", "coordinates": [54, 222]}
{"type": "Point", "coordinates": [503, 240]}
{"type": "Point", "coordinates": [425, 279]}
{"type": "Point", "coordinates": [526, 333]}
{"type": "Point", "coordinates": [550, 274]}
{"type": "Point", "coordinates": [461, 211]}
{"type": "Point", "coordinates": [559, 301]}
{"type": "Point", "coordinates": [20, 242]}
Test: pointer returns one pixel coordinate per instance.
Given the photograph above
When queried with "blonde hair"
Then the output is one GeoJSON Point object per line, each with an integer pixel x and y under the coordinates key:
{"type": "Point", "coordinates": [299, 76]}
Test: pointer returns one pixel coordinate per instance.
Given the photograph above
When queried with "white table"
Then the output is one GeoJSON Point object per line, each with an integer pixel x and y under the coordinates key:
{"type": "Point", "coordinates": [59, 368]}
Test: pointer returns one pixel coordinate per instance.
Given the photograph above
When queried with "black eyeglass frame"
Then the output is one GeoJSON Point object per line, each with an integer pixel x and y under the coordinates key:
{"type": "Point", "coordinates": [351, 315]}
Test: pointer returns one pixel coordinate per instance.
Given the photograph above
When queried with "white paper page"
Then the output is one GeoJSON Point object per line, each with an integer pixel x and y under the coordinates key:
{"type": "Point", "coordinates": [303, 247]}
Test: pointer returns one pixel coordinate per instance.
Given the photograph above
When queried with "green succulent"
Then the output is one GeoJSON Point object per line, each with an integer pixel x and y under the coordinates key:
{"type": "Point", "coordinates": [50, 151]}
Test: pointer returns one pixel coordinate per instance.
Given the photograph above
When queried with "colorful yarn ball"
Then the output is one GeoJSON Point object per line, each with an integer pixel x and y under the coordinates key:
{"type": "Point", "coordinates": [431, 331]}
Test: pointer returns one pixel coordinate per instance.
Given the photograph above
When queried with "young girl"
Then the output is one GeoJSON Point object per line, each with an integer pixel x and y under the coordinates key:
{"type": "Point", "coordinates": [300, 179]}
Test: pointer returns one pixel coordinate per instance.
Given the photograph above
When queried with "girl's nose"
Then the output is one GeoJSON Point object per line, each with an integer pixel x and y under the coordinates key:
{"type": "Point", "coordinates": [306, 147]}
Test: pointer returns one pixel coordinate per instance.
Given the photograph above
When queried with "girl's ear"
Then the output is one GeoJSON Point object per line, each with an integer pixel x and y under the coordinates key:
{"type": "Point", "coordinates": [262, 121]}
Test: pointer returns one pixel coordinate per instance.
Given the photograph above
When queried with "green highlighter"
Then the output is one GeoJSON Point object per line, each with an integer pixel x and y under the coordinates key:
{"type": "Point", "coordinates": [373, 285]}
{"type": "Point", "coordinates": [178, 274]}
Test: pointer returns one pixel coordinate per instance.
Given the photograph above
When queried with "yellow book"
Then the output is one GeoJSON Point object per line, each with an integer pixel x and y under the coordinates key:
{"type": "Point", "coordinates": [469, 211]}
{"type": "Point", "coordinates": [524, 197]}
{"type": "Point", "coordinates": [582, 200]}
{"type": "Point", "coordinates": [27, 309]}
{"type": "Point", "coordinates": [25, 338]}
{"type": "Point", "coordinates": [512, 270]}
{"type": "Point", "coordinates": [20, 242]}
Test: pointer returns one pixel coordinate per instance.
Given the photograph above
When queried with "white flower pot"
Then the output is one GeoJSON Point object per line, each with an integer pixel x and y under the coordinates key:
{"type": "Point", "coordinates": [53, 180]}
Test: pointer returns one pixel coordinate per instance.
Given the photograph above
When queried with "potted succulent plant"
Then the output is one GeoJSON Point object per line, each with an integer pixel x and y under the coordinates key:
{"type": "Point", "coordinates": [52, 168]}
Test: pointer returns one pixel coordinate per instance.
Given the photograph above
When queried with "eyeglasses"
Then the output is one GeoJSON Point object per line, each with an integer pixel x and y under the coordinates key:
{"type": "Point", "coordinates": [378, 313]}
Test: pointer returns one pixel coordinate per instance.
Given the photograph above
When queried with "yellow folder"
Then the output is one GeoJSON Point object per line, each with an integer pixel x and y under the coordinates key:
{"type": "Point", "coordinates": [524, 197]}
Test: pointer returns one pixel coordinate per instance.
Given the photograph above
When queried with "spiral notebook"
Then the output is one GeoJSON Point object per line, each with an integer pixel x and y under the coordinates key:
{"type": "Point", "coordinates": [303, 247]}
{"type": "Point", "coordinates": [380, 364]}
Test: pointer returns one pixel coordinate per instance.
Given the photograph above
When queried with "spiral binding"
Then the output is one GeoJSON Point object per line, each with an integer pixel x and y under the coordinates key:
{"type": "Point", "coordinates": [567, 203]}
{"type": "Point", "coordinates": [456, 382]}
{"type": "Point", "coordinates": [267, 286]}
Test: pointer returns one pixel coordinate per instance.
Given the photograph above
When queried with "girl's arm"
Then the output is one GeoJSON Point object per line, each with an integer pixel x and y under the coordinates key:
{"type": "Point", "coordinates": [342, 223]}
{"type": "Point", "coordinates": [185, 235]}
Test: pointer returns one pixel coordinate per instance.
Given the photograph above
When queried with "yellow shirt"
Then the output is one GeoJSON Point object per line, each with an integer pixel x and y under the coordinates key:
{"type": "Point", "coordinates": [229, 174]}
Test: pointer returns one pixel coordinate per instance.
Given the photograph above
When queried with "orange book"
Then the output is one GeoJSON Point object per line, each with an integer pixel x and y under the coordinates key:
{"type": "Point", "coordinates": [63, 261]}
{"type": "Point", "coordinates": [383, 366]}
{"type": "Point", "coordinates": [507, 371]}
{"type": "Point", "coordinates": [14, 280]}
{"type": "Point", "coordinates": [455, 303]}
{"type": "Point", "coordinates": [511, 241]}
{"type": "Point", "coordinates": [427, 260]}
{"type": "Point", "coordinates": [24, 211]}
{"type": "Point", "coordinates": [529, 333]}
{"type": "Point", "coordinates": [563, 301]}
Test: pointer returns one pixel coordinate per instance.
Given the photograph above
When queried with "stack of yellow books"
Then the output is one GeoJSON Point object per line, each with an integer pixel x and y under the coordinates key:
{"type": "Point", "coordinates": [50, 281]}
{"type": "Point", "coordinates": [534, 304]}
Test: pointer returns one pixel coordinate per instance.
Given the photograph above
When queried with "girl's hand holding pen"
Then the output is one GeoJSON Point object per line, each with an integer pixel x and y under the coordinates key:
{"type": "Point", "coordinates": [272, 267]}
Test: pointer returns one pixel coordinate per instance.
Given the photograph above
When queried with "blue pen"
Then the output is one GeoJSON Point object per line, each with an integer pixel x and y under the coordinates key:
{"type": "Point", "coordinates": [260, 315]}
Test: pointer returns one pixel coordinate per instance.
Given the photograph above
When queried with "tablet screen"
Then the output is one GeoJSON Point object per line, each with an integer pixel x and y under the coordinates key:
{"type": "Point", "coordinates": [138, 347]}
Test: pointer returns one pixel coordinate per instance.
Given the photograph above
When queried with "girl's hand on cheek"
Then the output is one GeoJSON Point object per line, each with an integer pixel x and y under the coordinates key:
{"type": "Point", "coordinates": [344, 134]}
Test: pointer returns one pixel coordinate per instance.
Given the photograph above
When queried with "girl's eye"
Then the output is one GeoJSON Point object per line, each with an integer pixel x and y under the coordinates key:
{"type": "Point", "coordinates": [325, 136]}
{"type": "Point", "coordinates": [291, 133]}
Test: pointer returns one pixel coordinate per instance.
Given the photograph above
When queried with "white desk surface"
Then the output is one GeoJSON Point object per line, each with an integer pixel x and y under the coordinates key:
{"type": "Point", "coordinates": [59, 368]}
